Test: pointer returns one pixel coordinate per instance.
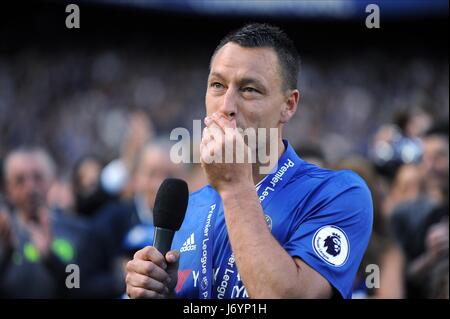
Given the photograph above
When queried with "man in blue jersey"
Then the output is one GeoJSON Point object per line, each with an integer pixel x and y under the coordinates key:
{"type": "Point", "coordinates": [298, 232]}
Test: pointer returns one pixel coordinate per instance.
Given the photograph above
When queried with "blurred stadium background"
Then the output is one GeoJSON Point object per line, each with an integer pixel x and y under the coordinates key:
{"type": "Point", "coordinates": [373, 100]}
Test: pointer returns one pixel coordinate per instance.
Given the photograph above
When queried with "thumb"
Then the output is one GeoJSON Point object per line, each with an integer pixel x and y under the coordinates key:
{"type": "Point", "coordinates": [173, 258]}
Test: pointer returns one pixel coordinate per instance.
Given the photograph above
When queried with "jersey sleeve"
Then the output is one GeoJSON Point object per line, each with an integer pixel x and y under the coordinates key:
{"type": "Point", "coordinates": [334, 234]}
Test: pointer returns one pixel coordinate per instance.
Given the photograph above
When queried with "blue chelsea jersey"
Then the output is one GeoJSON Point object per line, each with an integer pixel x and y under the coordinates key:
{"type": "Point", "coordinates": [324, 217]}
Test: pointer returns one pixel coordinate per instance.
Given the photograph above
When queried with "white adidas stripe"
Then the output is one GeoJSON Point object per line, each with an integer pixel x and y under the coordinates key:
{"type": "Point", "coordinates": [189, 244]}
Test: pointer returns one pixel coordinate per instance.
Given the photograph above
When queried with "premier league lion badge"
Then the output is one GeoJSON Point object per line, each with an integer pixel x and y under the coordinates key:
{"type": "Point", "coordinates": [331, 244]}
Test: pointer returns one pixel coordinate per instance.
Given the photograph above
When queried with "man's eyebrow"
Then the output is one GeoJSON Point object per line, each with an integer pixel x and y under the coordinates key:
{"type": "Point", "coordinates": [217, 75]}
{"type": "Point", "coordinates": [242, 82]}
{"type": "Point", "coordinates": [248, 80]}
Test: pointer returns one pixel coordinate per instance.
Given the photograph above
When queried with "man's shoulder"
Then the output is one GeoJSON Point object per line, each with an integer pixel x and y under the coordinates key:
{"type": "Point", "coordinates": [323, 190]}
{"type": "Point", "coordinates": [315, 177]}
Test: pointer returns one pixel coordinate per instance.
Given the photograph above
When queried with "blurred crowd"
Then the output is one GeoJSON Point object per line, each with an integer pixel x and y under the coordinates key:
{"type": "Point", "coordinates": [84, 146]}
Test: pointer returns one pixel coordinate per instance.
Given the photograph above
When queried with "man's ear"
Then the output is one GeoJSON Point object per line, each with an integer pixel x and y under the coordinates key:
{"type": "Point", "coordinates": [290, 106]}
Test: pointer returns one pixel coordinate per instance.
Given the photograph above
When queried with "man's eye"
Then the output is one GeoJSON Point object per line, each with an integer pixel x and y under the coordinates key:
{"type": "Point", "coordinates": [250, 89]}
{"type": "Point", "coordinates": [216, 85]}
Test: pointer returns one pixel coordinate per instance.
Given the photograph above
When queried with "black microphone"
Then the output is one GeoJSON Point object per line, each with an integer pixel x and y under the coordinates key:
{"type": "Point", "coordinates": [168, 214]}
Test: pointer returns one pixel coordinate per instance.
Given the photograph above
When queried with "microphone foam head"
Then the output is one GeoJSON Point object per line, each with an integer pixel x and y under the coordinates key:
{"type": "Point", "coordinates": [170, 204]}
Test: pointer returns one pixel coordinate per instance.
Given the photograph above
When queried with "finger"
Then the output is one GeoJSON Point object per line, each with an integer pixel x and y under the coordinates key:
{"type": "Point", "coordinates": [141, 281]}
{"type": "Point", "coordinates": [437, 229]}
{"type": "Point", "coordinates": [441, 250]}
{"type": "Point", "coordinates": [212, 143]}
{"type": "Point", "coordinates": [206, 136]}
{"type": "Point", "coordinates": [205, 158]}
{"type": "Point", "coordinates": [152, 254]}
{"type": "Point", "coordinates": [44, 220]}
{"type": "Point", "coordinates": [147, 268]}
{"type": "Point", "coordinates": [440, 241]}
{"type": "Point", "coordinates": [210, 122]}
{"type": "Point", "coordinates": [206, 152]}
{"type": "Point", "coordinates": [437, 238]}
{"type": "Point", "coordinates": [213, 133]}
{"type": "Point", "coordinates": [141, 293]}
{"type": "Point", "coordinates": [173, 259]}
{"type": "Point", "coordinates": [443, 244]}
{"type": "Point", "coordinates": [222, 121]}
{"type": "Point", "coordinates": [208, 149]}
{"type": "Point", "coordinates": [173, 256]}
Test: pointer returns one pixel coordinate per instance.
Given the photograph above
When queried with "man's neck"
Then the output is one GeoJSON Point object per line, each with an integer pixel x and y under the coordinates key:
{"type": "Point", "coordinates": [257, 176]}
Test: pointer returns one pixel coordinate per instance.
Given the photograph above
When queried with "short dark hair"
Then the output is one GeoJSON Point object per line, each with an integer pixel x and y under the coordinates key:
{"type": "Point", "coordinates": [440, 128]}
{"type": "Point", "coordinates": [260, 35]}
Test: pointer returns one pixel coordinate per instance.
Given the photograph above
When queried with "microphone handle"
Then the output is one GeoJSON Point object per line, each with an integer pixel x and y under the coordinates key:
{"type": "Point", "coordinates": [163, 239]}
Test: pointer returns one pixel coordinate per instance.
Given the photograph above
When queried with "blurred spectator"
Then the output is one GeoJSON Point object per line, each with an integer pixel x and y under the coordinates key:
{"type": "Point", "coordinates": [406, 187]}
{"type": "Point", "coordinates": [413, 124]}
{"type": "Point", "coordinates": [38, 241]}
{"type": "Point", "coordinates": [435, 162]}
{"type": "Point", "coordinates": [392, 149]}
{"type": "Point", "coordinates": [123, 225]}
{"type": "Point", "coordinates": [36, 252]}
{"type": "Point", "coordinates": [90, 195]}
{"type": "Point", "coordinates": [5, 236]}
{"type": "Point", "coordinates": [153, 167]}
{"type": "Point", "coordinates": [312, 154]}
{"type": "Point", "coordinates": [60, 195]}
{"type": "Point", "coordinates": [116, 177]}
{"type": "Point", "coordinates": [95, 185]}
{"type": "Point", "coordinates": [382, 250]}
{"type": "Point", "coordinates": [78, 102]}
{"type": "Point", "coordinates": [421, 225]}
{"type": "Point", "coordinates": [439, 284]}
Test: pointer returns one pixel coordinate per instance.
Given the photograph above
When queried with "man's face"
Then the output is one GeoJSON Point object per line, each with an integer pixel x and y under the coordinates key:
{"type": "Point", "coordinates": [27, 182]}
{"type": "Point", "coordinates": [435, 157]}
{"type": "Point", "coordinates": [153, 168]}
{"type": "Point", "coordinates": [246, 84]}
{"type": "Point", "coordinates": [88, 174]}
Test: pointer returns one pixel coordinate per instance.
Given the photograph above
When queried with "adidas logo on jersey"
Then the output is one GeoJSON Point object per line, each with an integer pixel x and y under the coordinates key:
{"type": "Point", "coordinates": [189, 244]}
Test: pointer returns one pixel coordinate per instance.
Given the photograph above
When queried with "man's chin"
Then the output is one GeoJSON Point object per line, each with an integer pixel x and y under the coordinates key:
{"type": "Point", "coordinates": [32, 208]}
{"type": "Point", "coordinates": [31, 211]}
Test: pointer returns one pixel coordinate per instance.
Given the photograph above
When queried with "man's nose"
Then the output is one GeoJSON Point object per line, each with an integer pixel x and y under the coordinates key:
{"type": "Point", "coordinates": [30, 186]}
{"type": "Point", "coordinates": [229, 105]}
